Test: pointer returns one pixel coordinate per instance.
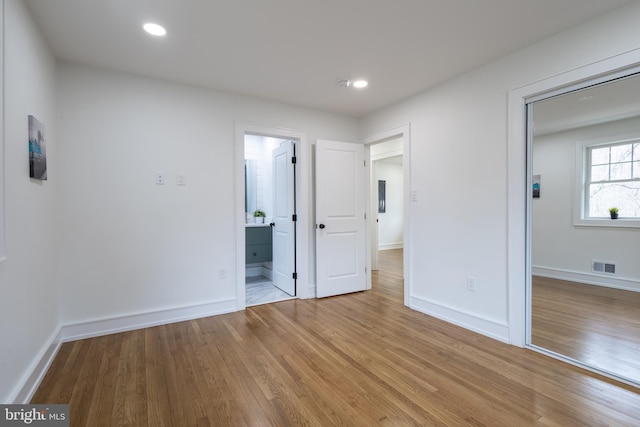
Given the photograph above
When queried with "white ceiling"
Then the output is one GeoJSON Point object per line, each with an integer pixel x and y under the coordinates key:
{"type": "Point", "coordinates": [607, 102]}
{"type": "Point", "coordinates": [294, 51]}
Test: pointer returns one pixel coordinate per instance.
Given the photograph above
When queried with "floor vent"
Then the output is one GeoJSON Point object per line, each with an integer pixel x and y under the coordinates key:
{"type": "Point", "coordinates": [603, 267]}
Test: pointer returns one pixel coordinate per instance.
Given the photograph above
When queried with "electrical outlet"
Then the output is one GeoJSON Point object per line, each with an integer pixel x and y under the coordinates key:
{"type": "Point", "coordinates": [181, 178]}
{"type": "Point", "coordinates": [471, 284]}
{"type": "Point", "coordinates": [161, 178]}
{"type": "Point", "coordinates": [222, 273]}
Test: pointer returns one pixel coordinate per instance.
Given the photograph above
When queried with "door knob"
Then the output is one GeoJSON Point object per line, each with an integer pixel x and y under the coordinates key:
{"type": "Point", "coordinates": [321, 226]}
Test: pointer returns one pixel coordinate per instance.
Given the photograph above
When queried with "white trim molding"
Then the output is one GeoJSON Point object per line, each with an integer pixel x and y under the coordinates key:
{"type": "Point", "coordinates": [116, 324]}
{"type": "Point", "coordinates": [487, 327]}
{"type": "Point", "coordinates": [36, 372]}
{"type": "Point", "coordinates": [621, 283]}
{"type": "Point", "coordinates": [390, 246]}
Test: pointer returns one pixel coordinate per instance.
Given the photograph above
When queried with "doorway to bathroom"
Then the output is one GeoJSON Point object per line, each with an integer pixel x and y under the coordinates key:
{"type": "Point", "coordinates": [270, 217]}
{"type": "Point", "coordinates": [299, 201]}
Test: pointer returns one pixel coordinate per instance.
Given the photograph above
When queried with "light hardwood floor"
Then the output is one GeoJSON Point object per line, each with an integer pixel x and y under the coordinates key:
{"type": "Point", "coordinates": [596, 325]}
{"type": "Point", "coordinates": [354, 360]}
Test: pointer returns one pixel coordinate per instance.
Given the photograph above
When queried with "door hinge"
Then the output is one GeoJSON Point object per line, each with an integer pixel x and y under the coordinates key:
{"type": "Point", "coordinates": [295, 275]}
{"type": "Point", "coordinates": [294, 217]}
{"type": "Point", "coordinates": [294, 159]}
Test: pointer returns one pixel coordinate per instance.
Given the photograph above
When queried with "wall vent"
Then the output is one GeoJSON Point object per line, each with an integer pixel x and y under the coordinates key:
{"type": "Point", "coordinates": [603, 267]}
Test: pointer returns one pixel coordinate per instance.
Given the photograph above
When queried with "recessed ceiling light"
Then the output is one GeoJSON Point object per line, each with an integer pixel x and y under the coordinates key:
{"type": "Point", "coordinates": [360, 84]}
{"type": "Point", "coordinates": [154, 29]}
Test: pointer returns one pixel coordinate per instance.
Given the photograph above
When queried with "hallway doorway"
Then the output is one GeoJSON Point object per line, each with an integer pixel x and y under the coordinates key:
{"type": "Point", "coordinates": [389, 278]}
{"type": "Point", "coordinates": [389, 208]}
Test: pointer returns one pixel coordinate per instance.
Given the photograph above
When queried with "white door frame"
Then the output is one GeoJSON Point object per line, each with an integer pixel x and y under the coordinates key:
{"type": "Point", "coordinates": [519, 185]}
{"type": "Point", "coordinates": [403, 131]}
{"type": "Point", "coordinates": [303, 205]}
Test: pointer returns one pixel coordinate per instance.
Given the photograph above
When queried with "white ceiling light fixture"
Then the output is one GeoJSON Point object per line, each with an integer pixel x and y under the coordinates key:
{"type": "Point", "coordinates": [154, 29]}
{"type": "Point", "coordinates": [359, 84]}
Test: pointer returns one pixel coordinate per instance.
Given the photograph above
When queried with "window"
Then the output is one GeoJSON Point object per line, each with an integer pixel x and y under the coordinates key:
{"type": "Point", "coordinates": [611, 178]}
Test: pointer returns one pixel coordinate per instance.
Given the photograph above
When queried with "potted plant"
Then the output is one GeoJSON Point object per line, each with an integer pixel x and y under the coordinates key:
{"type": "Point", "coordinates": [259, 216]}
{"type": "Point", "coordinates": [613, 212]}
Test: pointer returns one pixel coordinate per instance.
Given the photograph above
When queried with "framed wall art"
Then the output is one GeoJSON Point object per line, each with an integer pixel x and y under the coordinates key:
{"type": "Point", "coordinates": [37, 150]}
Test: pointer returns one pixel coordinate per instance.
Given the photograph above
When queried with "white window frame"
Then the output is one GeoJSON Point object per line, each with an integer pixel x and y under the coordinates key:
{"type": "Point", "coordinates": [580, 216]}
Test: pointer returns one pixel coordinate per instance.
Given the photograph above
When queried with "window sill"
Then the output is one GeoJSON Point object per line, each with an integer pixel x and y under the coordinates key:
{"type": "Point", "coordinates": [607, 223]}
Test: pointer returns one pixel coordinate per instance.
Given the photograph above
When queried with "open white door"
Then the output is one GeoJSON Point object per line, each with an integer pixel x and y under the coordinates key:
{"type": "Point", "coordinates": [340, 218]}
{"type": "Point", "coordinates": [284, 224]}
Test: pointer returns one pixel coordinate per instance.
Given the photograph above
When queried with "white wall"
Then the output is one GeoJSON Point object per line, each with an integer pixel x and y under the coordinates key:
{"type": "Point", "coordinates": [260, 148]}
{"type": "Point", "coordinates": [559, 248]}
{"type": "Point", "coordinates": [459, 170]}
{"type": "Point", "coordinates": [29, 303]}
{"type": "Point", "coordinates": [103, 241]}
{"type": "Point", "coordinates": [129, 246]}
{"type": "Point", "coordinates": [390, 223]}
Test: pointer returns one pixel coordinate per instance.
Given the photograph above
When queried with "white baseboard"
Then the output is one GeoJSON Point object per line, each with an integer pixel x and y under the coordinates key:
{"type": "Point", "coordinates": [101, 327]}
{"type": "Point", "coordinates": [389, 246]}
{"type": "Point", "coordinates": [587, 278]}
{"type": "Point", "coordinates": [267, 272]}
{"type": "Point", "coordinates": [311, 291]}
{"type": "Point", "coordinates": [132, 322]}
{"type": "Point", "coordinates": [492, 329]}
{"type": "Point", "coordinates": [258, 270]}
{"type": "Point", "coordinates": [252, 271]}
{"type": "Point", "coordinates": [31, 380]}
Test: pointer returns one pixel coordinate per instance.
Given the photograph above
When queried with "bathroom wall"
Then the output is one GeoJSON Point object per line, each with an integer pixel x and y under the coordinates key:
{"type": "Point", "coordinates": [259, 148]}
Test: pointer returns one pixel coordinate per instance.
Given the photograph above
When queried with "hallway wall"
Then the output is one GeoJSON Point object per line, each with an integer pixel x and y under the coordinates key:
{"type": "Point", "coordinates": [130, 246]}
{"type": "Point", "coordinates": [29, 286]}
{"type": "Point", "coordinates": [459, 160]}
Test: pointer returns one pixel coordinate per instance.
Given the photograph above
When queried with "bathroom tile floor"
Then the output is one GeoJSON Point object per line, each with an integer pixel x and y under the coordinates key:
{"type": "Point", "coordinates": [260, 290]}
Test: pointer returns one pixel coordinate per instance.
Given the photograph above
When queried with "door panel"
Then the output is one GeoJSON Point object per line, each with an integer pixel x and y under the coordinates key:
{"type": "Point", "coordinates": [284, 226]}
{"type": "Point", "coordinates": [340, 222]}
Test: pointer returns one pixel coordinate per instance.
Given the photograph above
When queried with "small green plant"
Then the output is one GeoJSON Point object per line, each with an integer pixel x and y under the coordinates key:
{"type": "Point", "coordinates": [259, 213]}
{"type": "Point", "coordinates": [613, 212]}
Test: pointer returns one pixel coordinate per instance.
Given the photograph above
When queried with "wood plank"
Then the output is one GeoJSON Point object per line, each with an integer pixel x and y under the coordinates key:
{"type": "Point", "coordinates": [595, 325]}
{"type": "Point", "coordinates": [356, 360]}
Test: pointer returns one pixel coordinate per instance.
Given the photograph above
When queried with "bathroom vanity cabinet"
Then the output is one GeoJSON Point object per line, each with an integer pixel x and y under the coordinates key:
{"type": "Point", "coordinates": [258, 244]}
